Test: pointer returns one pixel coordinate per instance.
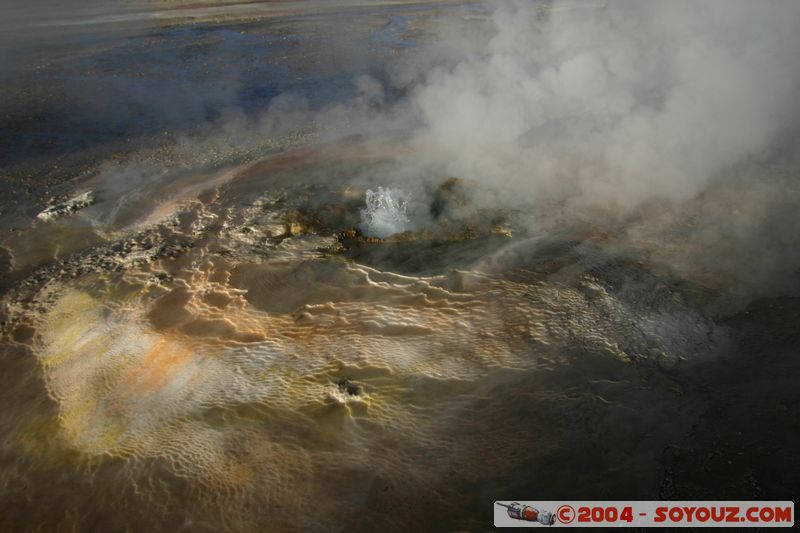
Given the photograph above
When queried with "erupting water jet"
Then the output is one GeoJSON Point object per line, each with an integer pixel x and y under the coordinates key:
{"type": "Point", "coordinates": [386, 213]}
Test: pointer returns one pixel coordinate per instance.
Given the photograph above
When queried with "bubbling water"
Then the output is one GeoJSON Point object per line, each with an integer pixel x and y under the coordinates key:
{"type": "Point", "coordinates": [386, 213]}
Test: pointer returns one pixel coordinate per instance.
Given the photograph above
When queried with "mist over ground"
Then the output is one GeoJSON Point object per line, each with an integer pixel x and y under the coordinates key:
{"type": "Point", "coordinates": [685, 113]}
{"type": "Point", "coordinates": [633, 105]}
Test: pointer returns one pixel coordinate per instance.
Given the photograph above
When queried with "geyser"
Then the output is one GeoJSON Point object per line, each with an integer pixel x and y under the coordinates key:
{"type": "Point", "coordinates": [386, 212]}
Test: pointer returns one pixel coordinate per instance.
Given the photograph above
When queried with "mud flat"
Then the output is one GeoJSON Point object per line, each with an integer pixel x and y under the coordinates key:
{"type": "Point", "coordinates": [254, 352]}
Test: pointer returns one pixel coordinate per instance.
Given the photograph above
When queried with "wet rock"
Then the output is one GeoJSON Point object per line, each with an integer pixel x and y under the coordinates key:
{"type": "Point", "coordinates": [349, 387]}
{"type": "Point", "coordinates": [299, 223]}
{"type": "Point", "coordinates": [275, 230]}
{"type": "Point", "coordinates": [503, 230]}
{"type": "Point", "coordinates": [447, 194]}
{"type": "Point", "coordinates": [67, 207]}
{"type": "Point", "coordinates": [349, 234]}
{"type": "Point", "coordinates": [161, 278]}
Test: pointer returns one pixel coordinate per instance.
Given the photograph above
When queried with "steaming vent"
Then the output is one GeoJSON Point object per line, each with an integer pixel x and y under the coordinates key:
{"type": "Point", "coordinates": [385, 213]}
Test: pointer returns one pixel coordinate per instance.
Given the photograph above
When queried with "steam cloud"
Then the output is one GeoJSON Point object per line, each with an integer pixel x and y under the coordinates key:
{"type": "Point", "coordinates": [618, 103]}
{"type": "Point", "coordinates": [614, 105]}
{"type": "Point", "coordinates": [690, 107]}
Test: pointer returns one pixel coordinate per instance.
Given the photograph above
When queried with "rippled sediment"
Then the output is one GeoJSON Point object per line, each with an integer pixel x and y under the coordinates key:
{"type": "Point", "coordinates": [234, 340]}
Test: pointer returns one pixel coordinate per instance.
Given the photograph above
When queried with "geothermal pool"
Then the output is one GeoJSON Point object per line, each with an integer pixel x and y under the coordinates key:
{"type": "Point", "coordinates": [241, 325]}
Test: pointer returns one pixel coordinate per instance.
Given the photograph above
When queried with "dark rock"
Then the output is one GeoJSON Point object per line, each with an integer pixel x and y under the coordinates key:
{"type": "Point", "coordinates": [351, 388]}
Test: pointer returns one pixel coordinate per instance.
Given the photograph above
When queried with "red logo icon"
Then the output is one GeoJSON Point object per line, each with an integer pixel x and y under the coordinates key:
{"type": "Point", "coordinates": [565, 514]}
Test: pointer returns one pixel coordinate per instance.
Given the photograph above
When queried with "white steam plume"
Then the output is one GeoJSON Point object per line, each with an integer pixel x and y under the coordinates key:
{"type": "Point", "coordinates": [613, 104]}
